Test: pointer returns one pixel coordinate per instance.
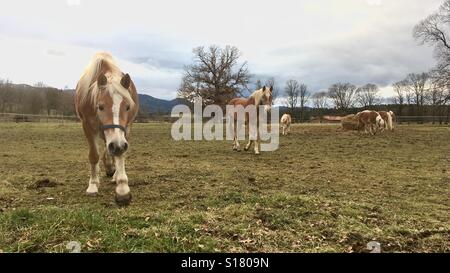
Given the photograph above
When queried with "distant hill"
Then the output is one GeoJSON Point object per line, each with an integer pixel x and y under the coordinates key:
{"type": "Point", "coordinates": [155, 105]}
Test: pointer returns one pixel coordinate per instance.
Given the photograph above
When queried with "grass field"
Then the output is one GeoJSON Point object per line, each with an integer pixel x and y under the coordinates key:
{"type": "Point", "coordinates": [322, 191]}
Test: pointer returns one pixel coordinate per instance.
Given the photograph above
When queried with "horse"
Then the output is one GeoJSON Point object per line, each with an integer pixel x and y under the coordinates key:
{"type": "Point", "coordinates": [350, 123]}
{"type": "Point", "coordinates": [258, 98]}
{"type": "Point", "coordinates": [106, 102]}
{"type": "Point", "coordinates": [387, 117]}
{"type": "Point", "coordinates": [286, 123]}
{"type": "Point", "coordinates": [370, 120]}
{"type": "Point", "coordinates": [394, 119]}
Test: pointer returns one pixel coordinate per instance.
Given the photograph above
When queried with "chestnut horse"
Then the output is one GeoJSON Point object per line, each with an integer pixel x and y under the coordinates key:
{"type": "Point", "coordinates": [106, 102]}
{"type": "Point", "coordinates": [286, 123]}
{"type": "Point", "coordinates": [258, 98]}
{"type": "Point", "coordinates": [370, 120]}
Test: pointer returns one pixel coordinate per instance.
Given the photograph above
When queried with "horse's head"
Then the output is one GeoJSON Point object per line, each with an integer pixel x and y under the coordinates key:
{"type": "Point", "coordinates": [114, 107]}
{"type": "Point", "coordinates": [266, 98]}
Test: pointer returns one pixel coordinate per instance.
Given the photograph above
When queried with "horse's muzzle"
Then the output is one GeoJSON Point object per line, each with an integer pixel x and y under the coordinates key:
{"type": "Point", "coordinates": [116, 149]}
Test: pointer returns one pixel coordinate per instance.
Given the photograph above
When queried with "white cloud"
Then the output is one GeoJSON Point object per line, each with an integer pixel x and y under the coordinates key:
{"type": "Point", "coordinates": [315, 41]}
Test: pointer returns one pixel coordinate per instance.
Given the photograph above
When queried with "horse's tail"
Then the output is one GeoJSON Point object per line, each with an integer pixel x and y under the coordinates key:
{"type": "Point", "coordinates": [389, 125]}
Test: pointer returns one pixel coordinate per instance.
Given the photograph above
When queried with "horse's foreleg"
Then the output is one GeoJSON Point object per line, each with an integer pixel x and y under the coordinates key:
{"type": "Point", "coordinates": [372, 129]}
{"type": "Point", "coordinates": [108, 162]}
{"type": "Point", "coordinates": [257, 142]}
{"type": "Point", "coordinates": [123, 195]}
{"type": "Point", "coordinates": [94, 180]}
{"type": "Point", "coordinates": [249, 144]}
{"type": "Point", "coordinates": [235, 140]}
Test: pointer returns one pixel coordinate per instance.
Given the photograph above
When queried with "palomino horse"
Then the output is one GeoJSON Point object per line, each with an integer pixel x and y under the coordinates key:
{"type": "Point", "coordinates": [259, 97]}
{"type": "Point", "coordinates": [286, 123]}
{"type": "Point", "coordinates": [394, 119]}
{"type": "Point", "coordinates": [370, 120]}
{"type": "Point", "coordinates": [387, 117]}
{"type": "Point", "coordinates": [106, 102]}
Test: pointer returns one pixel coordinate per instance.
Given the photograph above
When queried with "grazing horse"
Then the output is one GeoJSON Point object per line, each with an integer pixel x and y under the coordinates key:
{"type": "Point", "coordinates": [370, 120]}
{"type": "Point", "coordinates": [106, 102]}
{"type": "Point", "coordinates": [387, 117]}
{"type": "Point", "coordinates": [259, 97]}
{"type": "Point", "coordinates": [394, 119]}
{"type": "Point", "coordinates": [350, 123]}
{"type": "Point", "coordinates": [286, 123]}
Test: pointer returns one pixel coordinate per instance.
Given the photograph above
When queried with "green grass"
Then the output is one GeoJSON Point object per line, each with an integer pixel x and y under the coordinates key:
{"type": "Point", "coordinates": [322, 191]}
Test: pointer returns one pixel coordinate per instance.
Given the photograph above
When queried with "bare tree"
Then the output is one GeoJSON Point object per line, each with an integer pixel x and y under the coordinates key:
{"type": "Point", "coordinates": [434, 30]}
{"type": "Point", "coordinates": [292, 91]}
{"type": "Point", "coordinates": [215, 75]}
{"type": "Point", "coordinates": [400, 89]}
{"type": "Point", "coordinates": [319, 100]}
{"type": "Point", "coordinates": [258, 84]}
{"type": "Point", "coordinates": [437, 97]}
{"type": "Point", "coordinates": [417, 85]}
{"type": "Point", "coordinates": [6, 96]}
{"type": "Point", "coordinates": [367, 95]}
{"type": "Point", "coordinates": [343, 95]}
{"type": "Point", "coordinates": [304, 97]}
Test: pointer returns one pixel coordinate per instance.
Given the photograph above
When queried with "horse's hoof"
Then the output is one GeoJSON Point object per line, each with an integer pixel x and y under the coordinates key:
{"type": "Point", "coordinates": [246, 149]}
{"type": "Point", "coordinates": [257, 153]}
{"type": "Point", "coordinates": [92, 194]}
{"type": "Point", "coordinates": [123, 200]}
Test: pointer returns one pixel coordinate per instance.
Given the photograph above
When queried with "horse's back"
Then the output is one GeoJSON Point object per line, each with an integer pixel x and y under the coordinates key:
{"type": "Point", "coordinates": [286, 118]}
{"type": "Point", "coordinates": [237, 101]}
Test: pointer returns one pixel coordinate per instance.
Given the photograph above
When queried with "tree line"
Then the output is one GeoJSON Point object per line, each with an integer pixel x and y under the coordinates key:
{"type": "Point", "coordinates": [38, 99]}
{"type": "Point", "coordinates": [217, 76]}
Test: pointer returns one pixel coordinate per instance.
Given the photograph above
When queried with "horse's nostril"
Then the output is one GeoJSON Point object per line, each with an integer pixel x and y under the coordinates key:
{"type": "Point", "coordinates": [125, 146]}
{"type": "Point", "coordinates": [111, 147]}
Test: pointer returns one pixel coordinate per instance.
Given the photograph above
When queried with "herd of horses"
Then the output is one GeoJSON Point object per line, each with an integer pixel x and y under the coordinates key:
{"type": "Point", "coordinates": [106, 102]}
{"type": "Point", "coordinates": [369, 121]}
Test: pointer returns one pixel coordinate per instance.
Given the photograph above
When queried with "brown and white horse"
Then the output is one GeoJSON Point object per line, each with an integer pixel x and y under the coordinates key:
{"type": "Point", "coordinates": [286, 123]}
{"type": "Point", "coordinates": [387, 117]}
{"type": "Point", "coordinates": [394, 119]}
{"type": "Point", "coordinates": [258, 98]}
{"type": "Point", "coordinates": [106, 102]}
{"type": "Point", "coordinates": [370, 120]}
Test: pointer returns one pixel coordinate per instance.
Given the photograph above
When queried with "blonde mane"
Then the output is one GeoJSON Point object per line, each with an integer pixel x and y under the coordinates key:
{"type": "Point", "coordinates": [256, 95]}
{"type": "Point", "coordinates": [102, 63]}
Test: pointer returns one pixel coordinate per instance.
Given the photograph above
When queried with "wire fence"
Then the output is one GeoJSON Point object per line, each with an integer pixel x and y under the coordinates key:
{"type": "Point", "coordinates": [18, 118]}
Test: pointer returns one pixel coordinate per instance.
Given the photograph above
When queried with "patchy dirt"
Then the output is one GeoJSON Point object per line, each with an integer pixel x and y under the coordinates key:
{"type": "Point", "coordinates": [322, 191]}
{"type": "Point", "coordinates": [43, 183]}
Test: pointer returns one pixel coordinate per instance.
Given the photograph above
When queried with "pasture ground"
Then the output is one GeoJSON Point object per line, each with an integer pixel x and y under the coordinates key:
{"type": "Point", "coordinates": [322, 191]}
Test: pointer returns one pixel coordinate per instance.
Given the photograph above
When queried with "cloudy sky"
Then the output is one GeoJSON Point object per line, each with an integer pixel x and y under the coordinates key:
{"type": "Point", "coordinates": [318, 42]}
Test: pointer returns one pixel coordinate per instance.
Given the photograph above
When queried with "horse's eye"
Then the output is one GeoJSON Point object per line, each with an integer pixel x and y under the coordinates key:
{"type": "Point", "coordinates": [101, 107]}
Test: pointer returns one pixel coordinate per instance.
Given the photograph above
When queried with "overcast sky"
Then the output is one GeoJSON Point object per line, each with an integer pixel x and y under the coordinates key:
{"type": "Point", "coordinates": [317, 42]}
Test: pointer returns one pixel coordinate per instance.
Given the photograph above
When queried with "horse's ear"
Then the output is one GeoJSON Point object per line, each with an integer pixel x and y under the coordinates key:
{"type": "Point", "coordinates": [264, 88]}
{"type": "Point", "coordinates": [271, 89]}
{"type": "Point", "coordinates": [125, 81]}
{"type": "Point", "coordinates": [102, 80]}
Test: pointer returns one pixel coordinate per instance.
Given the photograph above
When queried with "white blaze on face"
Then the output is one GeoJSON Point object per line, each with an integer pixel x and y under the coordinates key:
{"type": "Point", "coordinates": [267, 107]}
{"type": "Point", "coordinates": [118, 135]}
